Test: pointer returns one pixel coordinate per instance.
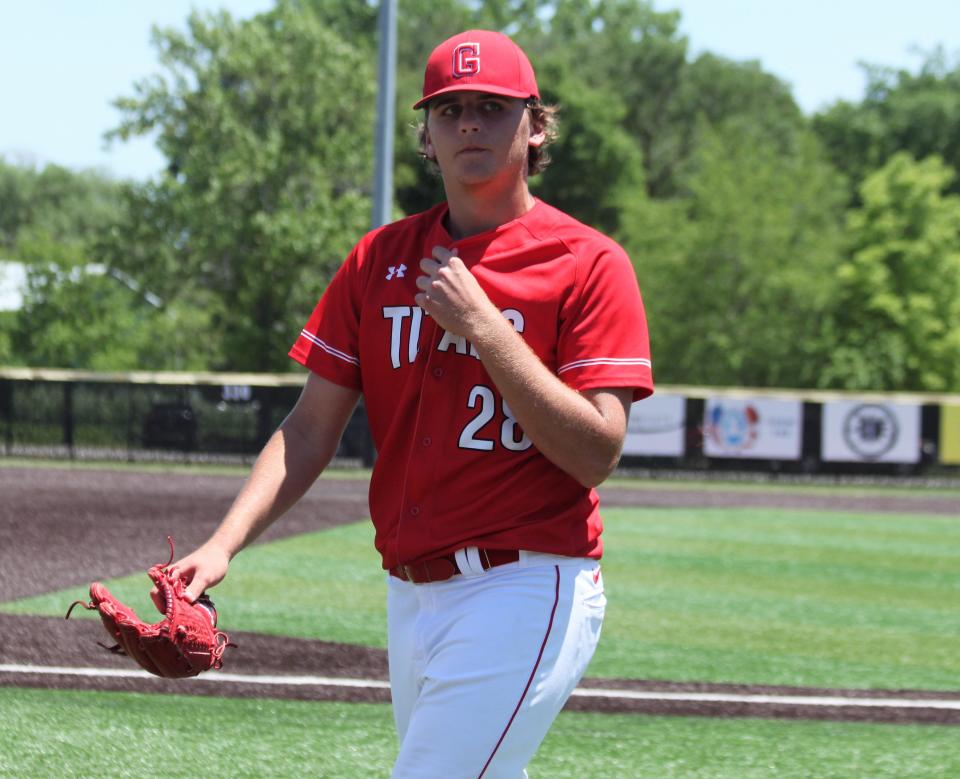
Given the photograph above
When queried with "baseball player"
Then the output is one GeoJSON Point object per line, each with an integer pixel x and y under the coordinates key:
{"type": "Point", "coordinates": [498, 344]}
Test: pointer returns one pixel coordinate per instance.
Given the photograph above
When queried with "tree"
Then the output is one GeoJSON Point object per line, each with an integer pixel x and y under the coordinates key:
{"type": "Point", "coordinates": [596, 168]}
{"type": "Point", "coordinates": [901, 111]}
{"type": "Point", "coordinates": [67, 205]}
{"type": "Point", "coordinates": [717, 90]}
{"type": "Point", "coordinates": [635, 56]}
{"type": "Point", "coordinates": [735, 272]}
{"type": "Point", "coordinates": [77, 314]}
{"type": "Point", "coordinates": [8, 322]}
{"type": "Point", "coordinates": [267, 128]}
{"type": "Point", "coordinates": [632, 55]}
{"type": "Point", "coordinates": [15, 195]}
{"type": "Point", "coordinates": [895, 322]}
{"type": "Point", "coordinates": [51, 219]}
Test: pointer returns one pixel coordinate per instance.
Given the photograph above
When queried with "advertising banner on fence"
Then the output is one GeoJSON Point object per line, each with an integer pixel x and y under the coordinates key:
{"type": "Point", "coordinates": [765, 429]}
{"type": "Point", "coordinates": [657, 427]}
{"type": "Point", "coordinates": [950, 434]}
{"type": "Point", "coordinates": [870, 432]}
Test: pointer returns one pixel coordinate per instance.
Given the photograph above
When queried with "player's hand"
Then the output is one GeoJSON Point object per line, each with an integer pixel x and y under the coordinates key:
{"type": "Point", "coordinates": [450, 293]}
{"type": "Point", "coordinates": [206, 567]}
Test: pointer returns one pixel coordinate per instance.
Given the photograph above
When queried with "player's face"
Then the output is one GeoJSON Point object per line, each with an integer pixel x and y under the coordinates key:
{"type": "Point", "coordinates": [476, 137]}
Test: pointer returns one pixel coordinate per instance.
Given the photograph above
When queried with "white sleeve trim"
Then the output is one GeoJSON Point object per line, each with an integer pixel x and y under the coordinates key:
{"type": "Point", "coordinates": [618, 361]}
{"type": "Point", "coordinates": [329, 349]}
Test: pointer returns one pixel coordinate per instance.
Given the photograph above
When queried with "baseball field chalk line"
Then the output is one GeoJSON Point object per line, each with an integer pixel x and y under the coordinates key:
{"type": "Point", "coordinates": [581, 692]}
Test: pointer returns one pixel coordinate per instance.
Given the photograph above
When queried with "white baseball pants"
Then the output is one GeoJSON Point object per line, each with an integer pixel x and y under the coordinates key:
{"type": "Point", "coordinates": [481, 664]}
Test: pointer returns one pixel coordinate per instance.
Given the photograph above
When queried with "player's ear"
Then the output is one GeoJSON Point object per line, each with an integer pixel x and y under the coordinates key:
{"type": "Point", "coordinates": [538, 130]}
{"type": "Point", "coordinates": [424, 144]}
{"type": "Point", "coordinates": [428, 149]}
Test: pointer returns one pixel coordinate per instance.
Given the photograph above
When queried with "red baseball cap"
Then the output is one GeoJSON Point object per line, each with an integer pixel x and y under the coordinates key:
{"type": "Point", "coordinates": [479, 61]}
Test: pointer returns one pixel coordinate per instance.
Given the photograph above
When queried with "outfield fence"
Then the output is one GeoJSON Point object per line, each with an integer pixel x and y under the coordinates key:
{"type": "Point", "coordinates": [190, 417]}
{"type": "Point", "coordinates": [227, 417]}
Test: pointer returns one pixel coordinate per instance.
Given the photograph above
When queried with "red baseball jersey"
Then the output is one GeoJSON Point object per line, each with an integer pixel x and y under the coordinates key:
{"type": "Point", "coordinates": [454, 468]}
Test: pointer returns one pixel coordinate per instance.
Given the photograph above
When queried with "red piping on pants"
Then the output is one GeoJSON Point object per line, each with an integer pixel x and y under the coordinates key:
{"type": "Point", "coordinates": [536, 665]}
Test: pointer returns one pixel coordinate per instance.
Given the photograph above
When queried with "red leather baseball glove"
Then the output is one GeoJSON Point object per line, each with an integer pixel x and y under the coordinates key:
{"type": "Point", "coordinates": [185, 642]}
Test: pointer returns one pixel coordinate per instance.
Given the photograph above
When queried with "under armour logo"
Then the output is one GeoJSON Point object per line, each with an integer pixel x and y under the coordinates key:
{"type": "Point", "coordinates": [397, 271]}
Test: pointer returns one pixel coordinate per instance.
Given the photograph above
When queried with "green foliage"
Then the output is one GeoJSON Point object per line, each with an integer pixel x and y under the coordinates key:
{"type": "Point", "coordinates": [895, 322]}
{"type": "Point", "coordinates": [77, 315]}
{"type": "Point", "coordinates": [619, 71]}
{"type": "Point", "coordinates": [67, 205]}
{"type": "Point", "coordinates": [892, 319]}
{"type": "Point", "coordinates": [8, 321]}
{"type": "Point", "coordinates": [735, 271]}
{"type": "Point", "coordinates": [902, 111]}
{"type": "Point", "coordinates": [632, 55]}
{"type": "Point", "coordinates": [719, 89]}
{"type": "Point", "coordinates": [588, 152]}
{"type": "Point", "coordinates": [629, 54]}
{"type": "Point", "coordinates": [64, 298]}
{"type": "Point", "coordinates": [267, 127]}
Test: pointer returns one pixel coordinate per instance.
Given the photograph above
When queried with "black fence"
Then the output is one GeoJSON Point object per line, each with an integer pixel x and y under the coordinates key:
{"type": "Point", "coordinates": [97, 419]}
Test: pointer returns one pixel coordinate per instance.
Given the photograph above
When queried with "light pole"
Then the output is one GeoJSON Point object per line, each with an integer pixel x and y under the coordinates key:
{"type": "Point", "coordinates": [386, 101]}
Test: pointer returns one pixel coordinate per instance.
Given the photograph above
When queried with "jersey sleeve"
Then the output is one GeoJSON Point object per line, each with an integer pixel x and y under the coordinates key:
{"type": "Point", "coordinates": [329, 344]}
{"type": "Point", "coordinates": [603, 338]}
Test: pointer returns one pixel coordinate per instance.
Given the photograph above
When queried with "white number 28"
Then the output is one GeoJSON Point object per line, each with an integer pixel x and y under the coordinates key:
{"type": "Point", "coordinates": [485, 401]}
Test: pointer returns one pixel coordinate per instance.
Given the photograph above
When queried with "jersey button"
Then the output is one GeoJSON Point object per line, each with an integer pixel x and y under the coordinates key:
{"type": "Point", "coordinates": [427, 440]}
{"type": "Point", "coordinates": [414, 511]}
{"type": "Point", "coordinates": [438, 372]}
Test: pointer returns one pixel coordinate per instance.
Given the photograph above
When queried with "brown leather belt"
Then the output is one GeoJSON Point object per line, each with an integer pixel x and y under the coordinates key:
{"type": "Point", "coordinates": [442, 568]}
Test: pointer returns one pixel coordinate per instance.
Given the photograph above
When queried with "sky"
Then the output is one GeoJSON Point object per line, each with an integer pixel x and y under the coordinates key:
{"type": "Point", "coordinates": [63, 62]}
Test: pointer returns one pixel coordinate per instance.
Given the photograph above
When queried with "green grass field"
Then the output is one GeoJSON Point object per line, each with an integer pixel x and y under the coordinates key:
{"type": "Point", "coordinates": [723, 595]}
{"type": "Point", "coordinates": [73, 734]}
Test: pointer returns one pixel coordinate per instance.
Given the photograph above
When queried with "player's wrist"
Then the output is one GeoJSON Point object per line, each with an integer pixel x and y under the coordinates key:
{"type": "Point", "coordinates": [487, 326]}
{"type": "Point", "coordinates": [221, 548]}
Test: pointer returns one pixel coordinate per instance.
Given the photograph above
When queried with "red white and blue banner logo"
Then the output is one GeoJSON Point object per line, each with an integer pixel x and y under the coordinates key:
{"type": "Point", "coordinates": [754, 427]}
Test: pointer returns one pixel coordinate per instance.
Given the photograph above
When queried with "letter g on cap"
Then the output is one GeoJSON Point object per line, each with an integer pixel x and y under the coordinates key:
{"type": "Point", "coordinates": [466, 60]}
